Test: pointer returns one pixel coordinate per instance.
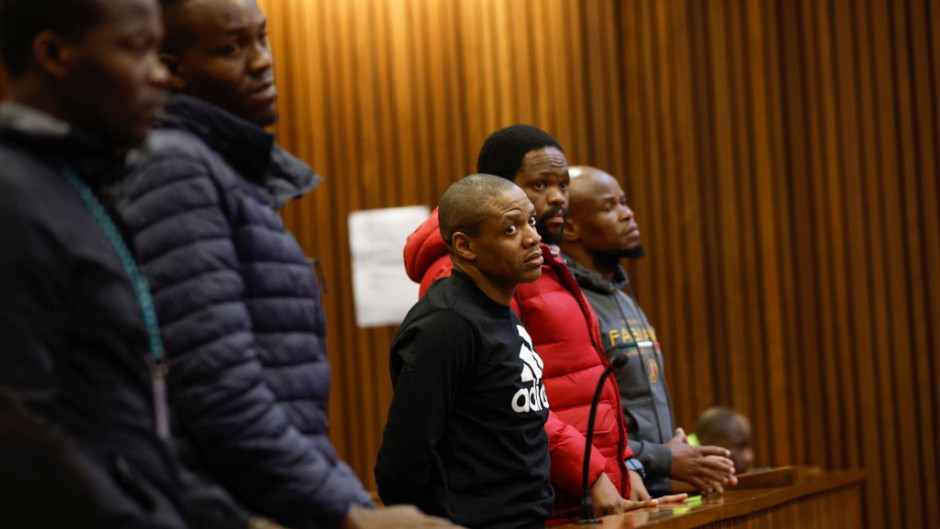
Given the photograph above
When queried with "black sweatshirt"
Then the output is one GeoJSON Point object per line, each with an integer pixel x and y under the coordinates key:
{"type": "Point", "coordinates": [465, 436]}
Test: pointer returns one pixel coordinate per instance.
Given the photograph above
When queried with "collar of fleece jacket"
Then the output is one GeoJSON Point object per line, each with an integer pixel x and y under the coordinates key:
{"type": "Point", "coordinates": [590, 280]}
{"type": "Point", "coordinates": [248, 148]}
{"type": "Point", "coordinates": [98, 162]}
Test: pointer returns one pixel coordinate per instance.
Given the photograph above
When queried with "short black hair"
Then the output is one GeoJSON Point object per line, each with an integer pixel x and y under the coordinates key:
{"type": "Point", "coordinates": [503, 151]}
{"type": "Point", "coordinates": [465, 204]}
{"type": "Point", "coordinates": [176, 38]}
{"type": "Point", "coordinates": [22, 20]}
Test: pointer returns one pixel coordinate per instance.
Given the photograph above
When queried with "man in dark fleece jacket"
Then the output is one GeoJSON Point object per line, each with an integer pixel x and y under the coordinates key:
{"type": "Point", "coordinates": [465, 436]}
{"type": "Point", "coordinates": [238, 303]}
{"type": "Point", "coordinates": [80, 360]}
{"type": "Point", "coordinates": [599, 231]}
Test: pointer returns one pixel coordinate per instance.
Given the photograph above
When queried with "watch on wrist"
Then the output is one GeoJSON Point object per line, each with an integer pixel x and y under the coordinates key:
{"type": "Point", "coordinates": [635, 465]}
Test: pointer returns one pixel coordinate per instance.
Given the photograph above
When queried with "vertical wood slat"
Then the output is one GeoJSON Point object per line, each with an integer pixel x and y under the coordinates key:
{"type": "Point", "coordinates": [791, 110]}
{"type": "Point", "coordinates": [780, 156]}
{"type": "Point", "coordinates": [751, 137]}
{"type": "Point", "coordinates": [899, 293]}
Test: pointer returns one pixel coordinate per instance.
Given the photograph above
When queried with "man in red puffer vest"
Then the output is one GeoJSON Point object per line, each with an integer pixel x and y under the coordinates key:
{"type": "Point", "coordinates": [562, 325]}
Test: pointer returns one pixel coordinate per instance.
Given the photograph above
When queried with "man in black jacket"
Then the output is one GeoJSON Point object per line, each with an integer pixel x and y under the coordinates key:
{"type": "Point", "coordinates": [465, 436]}
{"type": "Point", "coordinates": [75, 345]}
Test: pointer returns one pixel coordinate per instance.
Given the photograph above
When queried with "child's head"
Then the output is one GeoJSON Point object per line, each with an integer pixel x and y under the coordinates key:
{"type": "Point", "coordinates": [727, 428]}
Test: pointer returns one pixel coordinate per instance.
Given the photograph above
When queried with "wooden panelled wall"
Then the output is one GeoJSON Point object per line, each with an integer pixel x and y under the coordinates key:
{"type": "Point", "coordinates": [781, 156]}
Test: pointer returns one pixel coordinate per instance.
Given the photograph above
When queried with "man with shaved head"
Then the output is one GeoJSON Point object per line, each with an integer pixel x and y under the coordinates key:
{"type": "Point", "coordinates": [721, 426]}
{"type": "Point", "coordinates": [600, 230]}
{"type": "Point", "coordinates": [465, 436]}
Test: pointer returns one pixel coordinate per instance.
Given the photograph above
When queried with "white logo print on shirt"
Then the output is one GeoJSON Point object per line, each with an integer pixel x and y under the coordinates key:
{"type": "Point", "coordinates": [532, 398]}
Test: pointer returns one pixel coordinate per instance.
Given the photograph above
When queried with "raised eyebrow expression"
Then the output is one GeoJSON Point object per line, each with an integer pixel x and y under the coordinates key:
{"type": "Point", "coordinates": [514, 220]}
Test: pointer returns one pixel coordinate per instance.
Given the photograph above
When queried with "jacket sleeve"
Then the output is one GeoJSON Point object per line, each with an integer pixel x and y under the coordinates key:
{"type": "Point", "coordinates": [656, 457]}
{"type": "Point", "coordinates": [209, 505]}
{"type": "Point", "coordinates": [432, 361]}
{"type": "Point", "coordinates": [566, 449]}
{"type": "Point", "coordinates": [178, 217]}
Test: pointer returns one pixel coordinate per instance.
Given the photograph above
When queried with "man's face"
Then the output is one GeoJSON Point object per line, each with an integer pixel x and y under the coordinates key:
{"type": "Point", "coordinates": [603, 221]}
{"type": "Point", "coordinates": [226, 60]}
{"type": "Point", "coordinates": [114, 82]}
{"type": "Point", "coordinates": [507, 244]}
{"type": "Point", "coordinates": [544, 178]}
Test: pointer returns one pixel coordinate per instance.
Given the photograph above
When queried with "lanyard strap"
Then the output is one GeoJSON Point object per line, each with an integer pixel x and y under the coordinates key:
{"type": "Point", "coordinates": [127, 260]}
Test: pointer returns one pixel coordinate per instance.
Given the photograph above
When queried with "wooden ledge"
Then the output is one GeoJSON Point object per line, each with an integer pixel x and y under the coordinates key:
{"type": "Point", "coordinates": [755, 493]}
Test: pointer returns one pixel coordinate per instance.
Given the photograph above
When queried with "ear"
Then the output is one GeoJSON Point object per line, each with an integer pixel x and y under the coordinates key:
{"type": "Point", "coordinates": [570, 231]}
{"type": "Point", "coordinates": [463, 246]}
{"type": "Point", "coordinates": [177, 81]}
{"type": "Point", "coordinates": [53, 54]}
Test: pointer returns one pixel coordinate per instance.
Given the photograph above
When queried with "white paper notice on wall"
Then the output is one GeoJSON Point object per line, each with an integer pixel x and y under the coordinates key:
{"type": "Point", "coordinates": [382, 291]}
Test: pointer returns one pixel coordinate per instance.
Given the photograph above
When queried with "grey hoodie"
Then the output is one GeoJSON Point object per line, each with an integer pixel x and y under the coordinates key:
{"type": "Point", "coordinates": [643, 392]}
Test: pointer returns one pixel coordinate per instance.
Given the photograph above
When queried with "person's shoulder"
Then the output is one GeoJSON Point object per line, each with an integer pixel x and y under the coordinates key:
{"type": "Point", "coordinates": [41, 215]}
{"type": "Point", "coordinates": [172, 157]}
{"type": "Point", "coordinates": [440, 301]}
{"type": "Point", "coordinates": [28, 185]}
{"type": "Point", "coordinates": [176, 144]}
{"type": "Point", "coordinates": [447, 302]}
{"type": "Point", "coordinates": [430, 320]}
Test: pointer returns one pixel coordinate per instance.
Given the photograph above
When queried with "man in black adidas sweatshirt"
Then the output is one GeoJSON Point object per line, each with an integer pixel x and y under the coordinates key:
{"type": "Point", "coordinates": [465, 435]}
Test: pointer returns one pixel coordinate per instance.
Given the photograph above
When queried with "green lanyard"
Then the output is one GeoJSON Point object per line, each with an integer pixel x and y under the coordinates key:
{"type": "Point", "coordinates": [158, 367]}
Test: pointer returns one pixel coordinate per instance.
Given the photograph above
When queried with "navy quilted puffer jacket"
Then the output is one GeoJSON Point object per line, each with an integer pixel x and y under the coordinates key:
{"type": "Point", "coordinates": [240, 313]}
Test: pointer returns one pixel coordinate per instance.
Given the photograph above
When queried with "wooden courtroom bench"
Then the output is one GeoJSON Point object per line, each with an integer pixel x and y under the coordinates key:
{"type": "Point", "coordinates": [797, 497]}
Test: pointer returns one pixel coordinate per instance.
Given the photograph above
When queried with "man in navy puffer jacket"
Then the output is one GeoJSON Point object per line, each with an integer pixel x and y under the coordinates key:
{"type": "Point", "coordinates": [238, 303]}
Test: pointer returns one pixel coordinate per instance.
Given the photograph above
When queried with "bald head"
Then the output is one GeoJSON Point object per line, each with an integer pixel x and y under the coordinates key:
{"type": "Point", "coordinates": [587, 184]}
{"type": "Point", "coordinates": [715, 422]}
{"type": "Point", "coordinates": [601, 227]}
{"type": "Point", "coordinates": [466, 204]}
{"type": "Point", "coordinates": [729, 429]}
{"type": "Point", "coordinates": [488, 224]}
